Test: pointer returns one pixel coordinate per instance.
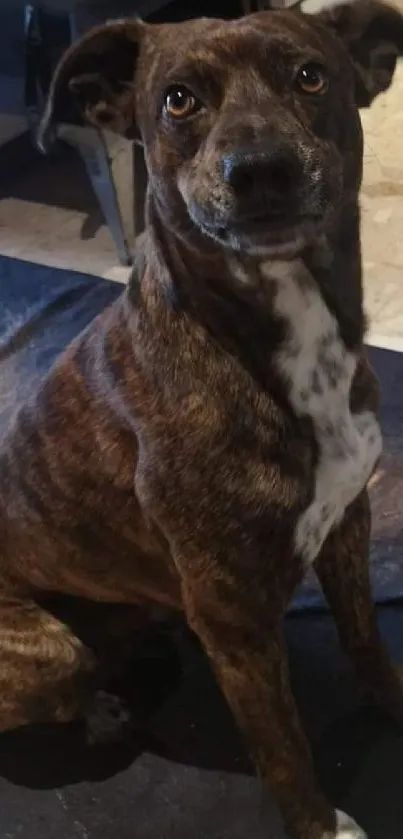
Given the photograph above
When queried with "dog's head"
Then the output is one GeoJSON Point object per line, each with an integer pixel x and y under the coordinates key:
{"type": "Point", "coordinates": [250, 127]}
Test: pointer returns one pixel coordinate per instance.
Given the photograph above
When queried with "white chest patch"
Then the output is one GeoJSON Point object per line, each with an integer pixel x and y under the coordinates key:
{"type": "Point", "coordinates": [319, 371]}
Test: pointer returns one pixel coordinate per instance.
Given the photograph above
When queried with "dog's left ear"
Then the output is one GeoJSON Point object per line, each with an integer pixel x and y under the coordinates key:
{"type": "Point", "coordinates": [95, 80]}
{"type": "Point", "coordinates": [372, 33]}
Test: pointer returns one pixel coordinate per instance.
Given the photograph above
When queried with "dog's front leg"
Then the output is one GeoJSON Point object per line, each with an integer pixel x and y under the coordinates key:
{"type": "Point", "coordinates": [250, 662]}
{"type": "Point", "coordinates": [343, 570]}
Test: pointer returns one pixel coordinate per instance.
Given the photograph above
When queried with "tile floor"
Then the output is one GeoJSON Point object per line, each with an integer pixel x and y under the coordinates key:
{"type": "Point", "coordinates": [50, 216]}
{"type": "Point", "coordinates": [382, 215]}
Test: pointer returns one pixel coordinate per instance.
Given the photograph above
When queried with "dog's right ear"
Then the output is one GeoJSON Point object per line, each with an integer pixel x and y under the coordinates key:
{"type": "Point", "coordinates": [372, 33]}
{"type": "Point", "coordinates": [95, 81]}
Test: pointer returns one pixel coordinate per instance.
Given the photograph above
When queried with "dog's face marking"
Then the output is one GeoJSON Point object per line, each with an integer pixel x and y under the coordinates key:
{"type": "Point", "coordinates": [318, 370]}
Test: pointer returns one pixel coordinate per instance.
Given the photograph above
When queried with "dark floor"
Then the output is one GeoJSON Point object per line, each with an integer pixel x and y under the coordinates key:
{"type": "Point", "coordinates": [187, 777]}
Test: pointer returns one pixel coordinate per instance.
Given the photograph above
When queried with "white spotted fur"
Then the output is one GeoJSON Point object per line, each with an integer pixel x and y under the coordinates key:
{"type": "Point", "coordinates": [347, 828]}
{"type": "Point", "coordinates": [347, 455]}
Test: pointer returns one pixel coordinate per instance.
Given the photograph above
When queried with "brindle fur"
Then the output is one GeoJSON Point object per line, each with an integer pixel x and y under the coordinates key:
{"type": "Point", "coordinates": [160, 462]}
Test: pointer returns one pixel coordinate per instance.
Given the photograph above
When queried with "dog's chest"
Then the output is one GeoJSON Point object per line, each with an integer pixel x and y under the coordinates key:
{"type": "Point", "coordinates": [318, 371]}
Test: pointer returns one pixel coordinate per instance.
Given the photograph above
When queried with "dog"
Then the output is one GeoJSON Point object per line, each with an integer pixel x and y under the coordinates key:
{"type": "Point", "coordinates": [210, 436]}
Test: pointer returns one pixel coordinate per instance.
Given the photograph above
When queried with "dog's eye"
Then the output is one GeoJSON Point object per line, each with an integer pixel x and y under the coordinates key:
{"type": "Point", "coordinates": [312, 79]}
{"type": "Point", "coordinates": [180, 103]}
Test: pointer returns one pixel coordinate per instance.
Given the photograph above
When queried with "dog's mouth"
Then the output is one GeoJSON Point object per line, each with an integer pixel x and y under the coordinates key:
{"type": "Point", "coordinates": [268, 232]}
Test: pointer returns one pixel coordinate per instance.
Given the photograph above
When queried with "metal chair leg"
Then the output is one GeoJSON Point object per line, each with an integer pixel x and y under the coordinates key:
{"type": "Point", "coordinates": [110, 161]}
{"type": "Point", "coordinates": [111, 165]}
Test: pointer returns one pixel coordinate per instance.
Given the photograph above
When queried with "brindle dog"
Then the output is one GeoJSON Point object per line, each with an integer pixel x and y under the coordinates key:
{"type": "Point", "coordinates": [211, 434]}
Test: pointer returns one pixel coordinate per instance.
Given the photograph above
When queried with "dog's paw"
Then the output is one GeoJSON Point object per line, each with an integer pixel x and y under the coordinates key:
{"type": "Point", "coordinates": [108, 720]}
{"type": "Point", "coordinates": [347, 828]}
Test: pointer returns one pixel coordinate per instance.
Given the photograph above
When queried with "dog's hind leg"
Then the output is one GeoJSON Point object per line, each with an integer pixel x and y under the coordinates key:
{"type": "Point", "coordinates": [59, 669]}
{"type": "Point", "coordinates": [46, 673]}
{"type": "Point", "coordinates": [343, 571]}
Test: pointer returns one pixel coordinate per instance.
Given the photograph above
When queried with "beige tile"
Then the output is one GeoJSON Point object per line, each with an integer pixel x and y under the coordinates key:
{"type": "Point", "coordinates": [382, 211]}
{"type": "Point", "coordinates": [52, 217]}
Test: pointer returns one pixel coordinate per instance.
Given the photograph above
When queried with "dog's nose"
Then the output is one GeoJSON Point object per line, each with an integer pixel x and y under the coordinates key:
{"type": "Point", "coordinates": [274, 174]}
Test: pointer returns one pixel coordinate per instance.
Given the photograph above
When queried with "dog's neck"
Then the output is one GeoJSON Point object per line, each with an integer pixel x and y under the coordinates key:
{"type": "Point", "coordinates": [232, 294]}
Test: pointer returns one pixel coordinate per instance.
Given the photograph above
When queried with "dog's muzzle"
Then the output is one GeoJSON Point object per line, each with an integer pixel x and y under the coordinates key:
{"type": "Point", "coordinates": [262, 199]}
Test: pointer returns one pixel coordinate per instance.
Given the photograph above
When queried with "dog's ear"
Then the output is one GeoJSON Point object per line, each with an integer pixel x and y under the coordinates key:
{"type": "Point", "coordinates": [372, 32]}
{"type": "Point", "coordinates": [95, 81]}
